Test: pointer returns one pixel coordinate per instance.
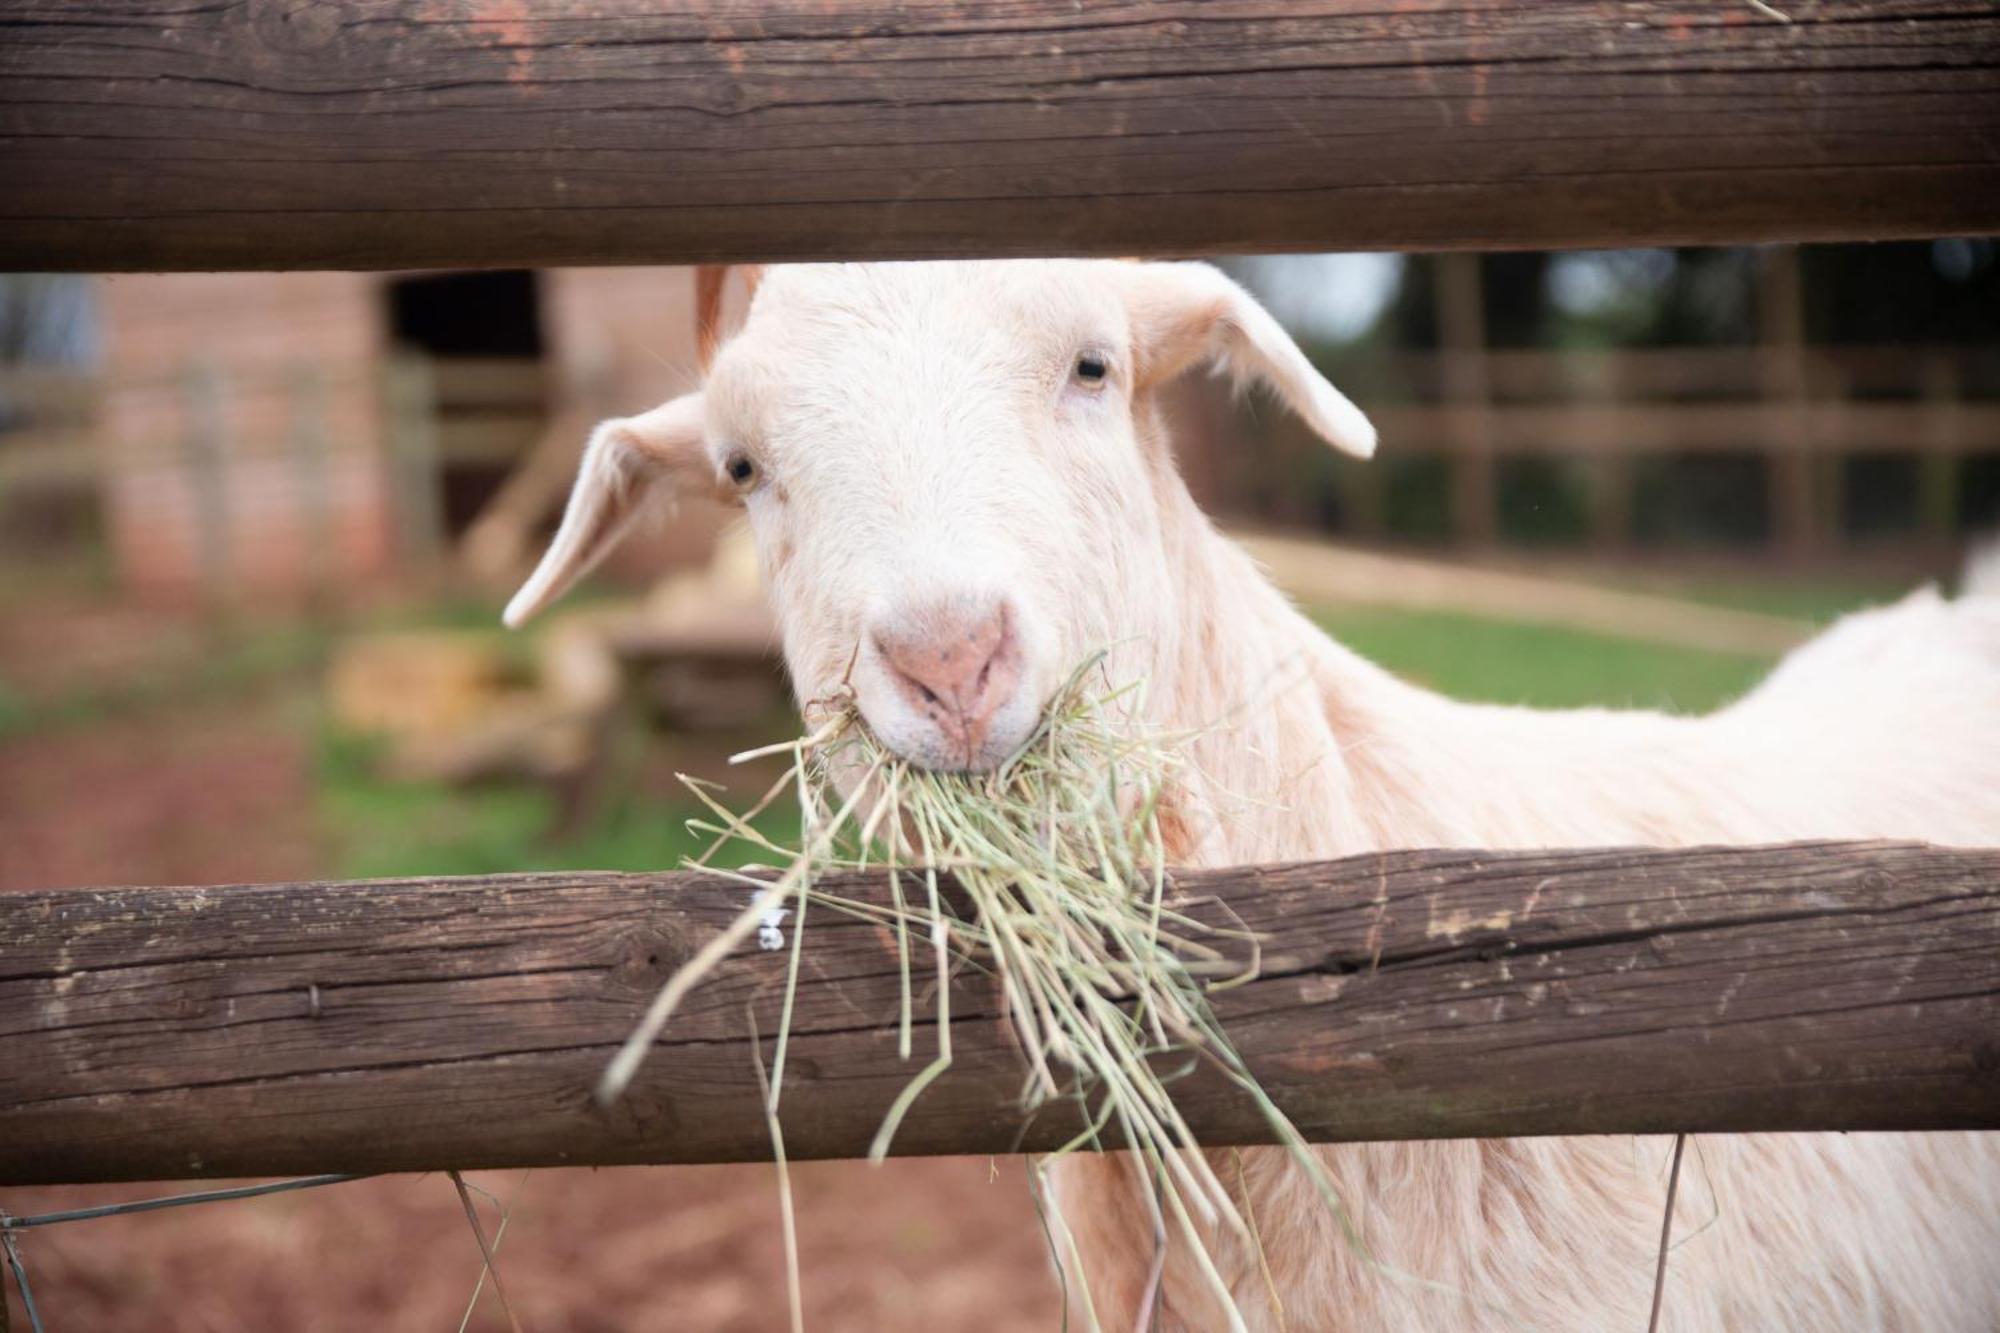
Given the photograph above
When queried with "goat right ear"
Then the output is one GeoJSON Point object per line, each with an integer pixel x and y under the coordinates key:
{"type": "Point", "coordinates": [1191, 312]}
{"type": "Point", "coordinates": [628, 462]}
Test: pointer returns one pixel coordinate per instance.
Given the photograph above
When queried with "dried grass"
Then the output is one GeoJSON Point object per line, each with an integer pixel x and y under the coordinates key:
{"type": "Point", "coordinates": [1059, 854]}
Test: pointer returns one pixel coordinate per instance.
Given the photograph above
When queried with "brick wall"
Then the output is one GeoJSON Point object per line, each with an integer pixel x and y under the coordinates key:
{"type": "Point", "coordinates": [242, 431]}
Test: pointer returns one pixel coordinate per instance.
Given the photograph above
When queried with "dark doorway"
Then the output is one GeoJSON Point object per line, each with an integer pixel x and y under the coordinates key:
{"type": "Point", "coordinates": [481, 334]}
{"type": "Point", "coordinates": [496, 314]}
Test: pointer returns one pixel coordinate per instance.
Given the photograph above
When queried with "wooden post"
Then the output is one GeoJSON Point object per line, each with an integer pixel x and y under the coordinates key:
{"type": "Point", "coordinates": [1461, 322]}
{"type": "Point", "coordinates": [424, 1024]}
{"type": "Point", "coordinates": [1938, 465]}
{"type": "Point", "coordinates": [415, 468]}
{"type": "Point", "coordinates": [1364, 496]}
{"type": "Point", "coordinates": [1829, 430]}
{"type": "Point", "coordinates": [312, 477]}
{"type": "Point", "coordinates": [204, 448]}
{"type": "Point", "coordinates": [1781, 317]}
{"type": "Point", "coordinates": [1608, 466]}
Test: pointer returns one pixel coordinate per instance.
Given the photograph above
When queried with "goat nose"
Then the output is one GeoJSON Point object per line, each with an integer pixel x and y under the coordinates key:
{"type": "Point", "coordinates": [956, 666]}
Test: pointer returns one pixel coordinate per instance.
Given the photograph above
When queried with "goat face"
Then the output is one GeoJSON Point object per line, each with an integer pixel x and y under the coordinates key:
{"type": "Point", "coordinates": [955, 474]}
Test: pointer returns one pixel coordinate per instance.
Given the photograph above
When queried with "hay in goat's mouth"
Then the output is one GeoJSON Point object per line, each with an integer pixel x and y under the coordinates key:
{"type": "Point", "coordinates": [1059, 854]}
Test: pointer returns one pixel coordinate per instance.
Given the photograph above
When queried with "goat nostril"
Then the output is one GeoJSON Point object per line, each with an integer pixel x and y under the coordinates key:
{"type": "Point", "coordinates": [956, 676]}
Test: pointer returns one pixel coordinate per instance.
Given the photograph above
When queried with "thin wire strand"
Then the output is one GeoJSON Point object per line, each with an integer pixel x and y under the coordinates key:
{"type": "Point", "coordinates": [20, 1282]}
{"type": "Point", "coordinates": [173, 1201]}
{"type": "Point", "coordinates": [1666, 1234]}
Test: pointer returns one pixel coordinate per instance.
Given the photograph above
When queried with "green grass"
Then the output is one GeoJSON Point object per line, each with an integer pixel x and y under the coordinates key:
{"type": "Point", "coordinates": [17, 716]}
{"type": "Point", "coordinates": [236, 663]}
{"type": "Point", "coordinates": [1820, 599]}
{"type": "Point", "coordinates": [1498, 661]}
{"type": "Point", "coordinates": [236, 657]}
{"type": "Point", "coordinates": [383, 828]}
{"type": "Point", "coordinates": [387, 828]}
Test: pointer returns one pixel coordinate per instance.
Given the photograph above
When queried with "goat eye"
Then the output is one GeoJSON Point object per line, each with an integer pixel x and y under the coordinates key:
{"type": "Point", "coordinates": [740, 469]}
{"type": "Point", "coordinates": [1091, 369]}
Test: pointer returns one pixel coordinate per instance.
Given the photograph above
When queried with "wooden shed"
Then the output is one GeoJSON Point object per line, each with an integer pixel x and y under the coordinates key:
{"type": "Point", "coordinates": [264, 433]}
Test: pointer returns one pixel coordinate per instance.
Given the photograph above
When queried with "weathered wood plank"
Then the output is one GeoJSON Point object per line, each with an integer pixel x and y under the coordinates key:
{"type": "Point", "coordinates": [406, 133]}
{"type": "Point", "coordinates": [151, 1033]}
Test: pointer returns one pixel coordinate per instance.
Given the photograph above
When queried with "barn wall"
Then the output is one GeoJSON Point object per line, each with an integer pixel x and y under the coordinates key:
{"type": "Point", "coordinates": [242, 431]}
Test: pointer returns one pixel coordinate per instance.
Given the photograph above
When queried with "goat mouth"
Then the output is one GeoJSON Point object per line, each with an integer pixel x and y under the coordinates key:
{"type": "Point", "coordinates": [947, 743]}
{"type": "Point", "coordinates": [951, 756]}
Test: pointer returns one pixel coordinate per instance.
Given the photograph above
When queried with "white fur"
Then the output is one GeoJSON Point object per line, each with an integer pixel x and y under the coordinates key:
{"type": "Point", "coordinates": [919, 436]}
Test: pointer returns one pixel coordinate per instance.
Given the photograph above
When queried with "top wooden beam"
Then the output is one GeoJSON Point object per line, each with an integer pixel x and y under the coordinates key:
{"type": "Point", "coordinates": [416, 133]}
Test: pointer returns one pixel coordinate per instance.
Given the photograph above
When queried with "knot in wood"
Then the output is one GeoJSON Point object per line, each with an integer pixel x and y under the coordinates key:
{"type": "Point", "coordinates": [288, 26]}
{"type": "Point", "coordinates": [647, 957]}
{"type": "Point", "coordinates": [638, 1114]}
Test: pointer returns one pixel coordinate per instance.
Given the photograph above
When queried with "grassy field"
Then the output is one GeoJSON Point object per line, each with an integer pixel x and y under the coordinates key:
{"type": "Point", "coordinates": [1501, 661]}
{"type": "Point", "coordinates": [384, 828]}
{"type": "Point", "coordinates": [1820, 599]}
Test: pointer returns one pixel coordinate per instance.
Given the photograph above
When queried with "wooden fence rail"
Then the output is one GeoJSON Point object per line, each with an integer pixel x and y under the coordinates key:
{"type": "Point", "coordinates": [156, 1032]}
{"type": "Point", "coordinates": [403, 133]}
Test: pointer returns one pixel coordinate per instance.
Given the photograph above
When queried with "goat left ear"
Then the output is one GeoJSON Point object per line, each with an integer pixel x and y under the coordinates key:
{"type": "Point", "coordinates": [711, 315]}
{"type": "Point", "coordinates": [1190, 312]}
{"type": "Point", "coordinates": [628, 462]}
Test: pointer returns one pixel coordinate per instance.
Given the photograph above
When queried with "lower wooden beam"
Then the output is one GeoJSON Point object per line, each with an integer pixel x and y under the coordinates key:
{"type": "Point", "coordinates": [407, 1025]}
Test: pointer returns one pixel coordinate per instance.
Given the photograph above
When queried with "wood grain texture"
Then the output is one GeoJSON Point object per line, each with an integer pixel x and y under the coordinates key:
{"type": "Point", "coordinates": [154, 1033]}
{"type": "Point", "coordinates": [408, 133]}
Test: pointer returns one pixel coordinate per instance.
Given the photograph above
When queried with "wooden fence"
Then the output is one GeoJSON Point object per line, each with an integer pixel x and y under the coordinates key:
{"type": "Point", "coordinates": [154, 1033]}
{"type": "Point", "coordinates": [1803, 411]}
{"type": "Point", "coordinates": [1605, 409]}
{"type": "Point", "coordinates": [162, 1032]}
{"type": "Point", "coordinates": [387, 134]}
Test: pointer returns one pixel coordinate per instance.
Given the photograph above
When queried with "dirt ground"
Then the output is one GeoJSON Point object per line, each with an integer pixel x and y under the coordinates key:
{"type": "Point", "coordinates": [217, 795]}
{"type": "Point", "coordinates": [940, 1244]}
{"type": "Point", "coordinates": [221, 794]}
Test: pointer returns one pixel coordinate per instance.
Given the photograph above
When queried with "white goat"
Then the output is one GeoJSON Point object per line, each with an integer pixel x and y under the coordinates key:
{"type": "Point", "coordinates": [960, 483]}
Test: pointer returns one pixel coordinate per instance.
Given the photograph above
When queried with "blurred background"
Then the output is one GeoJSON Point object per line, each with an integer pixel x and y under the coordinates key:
{"type": "Point", "coordinates": [255, 531]}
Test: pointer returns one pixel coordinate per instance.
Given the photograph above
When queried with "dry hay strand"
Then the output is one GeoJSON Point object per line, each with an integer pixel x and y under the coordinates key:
{"type": "Point", "coordinates": [1060, 863]}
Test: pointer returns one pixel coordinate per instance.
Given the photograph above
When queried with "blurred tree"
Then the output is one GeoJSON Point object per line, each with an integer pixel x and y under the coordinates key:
{"type": "Point", "coordinates": [47, 319]}
{"type": "Point", "coordinates": [1651, 298]}
{"type": "Point", "coordinates": [1349, 310]}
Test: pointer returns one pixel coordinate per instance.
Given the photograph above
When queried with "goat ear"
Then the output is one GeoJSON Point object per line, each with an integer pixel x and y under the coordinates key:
{"type": "Point", "coordinates": [628, 462]}
{"type": "Point", "coordinates": [1188, 313]}
{"type": "Point", "coordinates": [712, 318]}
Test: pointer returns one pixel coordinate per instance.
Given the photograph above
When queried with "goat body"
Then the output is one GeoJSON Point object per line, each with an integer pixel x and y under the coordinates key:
{"type": "Point", "coordinates": [960, 483]}
{"type": "Point", "coordinates": [1887, 725]}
